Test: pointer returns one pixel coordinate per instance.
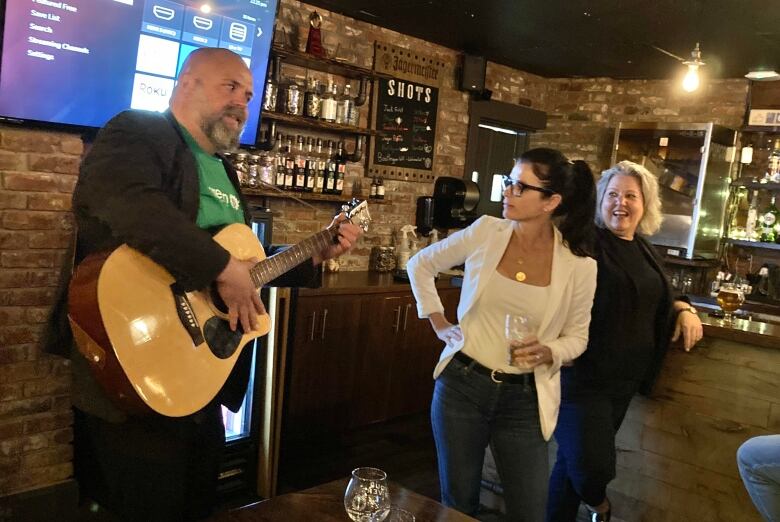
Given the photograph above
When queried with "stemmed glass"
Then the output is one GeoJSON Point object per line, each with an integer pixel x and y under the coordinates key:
{"type": "Point", "coordinates": [367, 498]}
{"type": "Point", "coordinates": [517, 330]}
{"type": "Point", "coordinates": [730, 298]}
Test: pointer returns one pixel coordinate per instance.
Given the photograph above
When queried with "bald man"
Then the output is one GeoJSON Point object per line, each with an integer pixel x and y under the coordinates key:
{"type": "Point", "coordinates": [158, 183]}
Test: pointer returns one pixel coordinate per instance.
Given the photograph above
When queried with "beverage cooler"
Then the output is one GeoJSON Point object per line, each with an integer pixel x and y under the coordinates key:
{"type": "Point", "coordinates": [247, 469]}
{"type": "Point", "coordinates": [693, 163]}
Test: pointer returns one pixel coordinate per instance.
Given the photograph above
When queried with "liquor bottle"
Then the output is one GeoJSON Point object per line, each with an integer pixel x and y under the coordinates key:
{"type": "Point", "coordinates": [752, 218]}
{"type": "Point", "coordinates": [279, 161]}
{"type": "Point", "coordinates": [312, 99]}
{"type": "Point", "coordinates": [330, 172]}
{"type": "Point", "coordinates": [328, 104]}
{"type": "Point", "coordinates": [380, 189]}
{"type": "Point", "coordinates": [289, 165]}
{"type": "Point", "coordinates": [372, 191]}
{"type": "Point", "coordinates": [341, 168]}
{"type": "Point", "coordinates": [299, 182]}
{"type": "Point", "coordinates": [737, 214]}
{"type": "Point", "coordinates": [310, 168]}
{"type": "Point", "coordinates": [768, 221]}
{"type": "Point", "coordinates": [319, 173]}
{"type": "Point", "coordinates": [344, 104]}
{"type": "Point", "coordinates": [773, 169]}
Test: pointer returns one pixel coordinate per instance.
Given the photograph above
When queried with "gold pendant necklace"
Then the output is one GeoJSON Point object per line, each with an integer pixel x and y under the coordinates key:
{"type": "Point", "coordinates": [520, 275]}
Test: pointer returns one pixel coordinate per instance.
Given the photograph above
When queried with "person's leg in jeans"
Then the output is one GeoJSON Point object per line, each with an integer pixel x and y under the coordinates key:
{"type": "Point", "coordinates": [759, 465]}
{"type": "Point", "coordinates": [520, 453]}
{"type": "Point", "coordinates": [461, 430]}
{"type": "Point", "coordinates": [586, 439]}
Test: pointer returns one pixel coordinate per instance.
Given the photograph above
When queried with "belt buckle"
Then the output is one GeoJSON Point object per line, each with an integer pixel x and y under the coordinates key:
{"type": "Point", "coordinates": [493, 376]}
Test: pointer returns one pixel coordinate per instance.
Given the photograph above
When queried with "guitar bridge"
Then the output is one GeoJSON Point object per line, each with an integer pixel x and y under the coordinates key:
{"type": "Point", "coordinates": [187, 315]}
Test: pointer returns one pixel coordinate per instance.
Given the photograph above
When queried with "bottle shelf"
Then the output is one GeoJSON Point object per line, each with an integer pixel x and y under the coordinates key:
{"type": "Point", "coordinates": [329, 65]}
{"type": "Point", "coordinates": [308, 196]}
{"type": "Point", "coordinates": [309, 123]}
{"type": "Point", "coordinates": [754, 244]}
{"type": "Point", "coordinates": [756, 185]}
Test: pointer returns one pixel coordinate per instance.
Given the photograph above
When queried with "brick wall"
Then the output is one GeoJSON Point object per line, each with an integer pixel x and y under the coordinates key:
{"type": "Point", "coordinates": [37, 173]}
{"type": "Point", "coordinates": [38, 170]}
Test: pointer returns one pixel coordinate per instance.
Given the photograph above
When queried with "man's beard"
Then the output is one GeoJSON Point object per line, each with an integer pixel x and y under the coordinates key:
{"type": "Point", "coordinates": [223, 138]}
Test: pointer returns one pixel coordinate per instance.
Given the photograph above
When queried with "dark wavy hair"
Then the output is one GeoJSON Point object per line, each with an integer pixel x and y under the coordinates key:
{"type": "Point", "coordinates": [573, 181]}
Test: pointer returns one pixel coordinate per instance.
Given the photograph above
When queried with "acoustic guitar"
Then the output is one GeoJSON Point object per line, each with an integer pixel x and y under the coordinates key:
{"type": "Point", "coordinates": [154, 347]}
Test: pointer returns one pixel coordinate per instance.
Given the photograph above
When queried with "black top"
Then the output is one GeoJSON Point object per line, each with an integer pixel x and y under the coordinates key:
{"type": "Point", "coordinates": [648, 289]}
{"type": "Point", "coordinates": [631, 319]}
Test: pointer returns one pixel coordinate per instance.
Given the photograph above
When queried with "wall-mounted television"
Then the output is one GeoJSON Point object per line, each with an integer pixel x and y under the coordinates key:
{"type": "Point", "coordinates": [80, 62]}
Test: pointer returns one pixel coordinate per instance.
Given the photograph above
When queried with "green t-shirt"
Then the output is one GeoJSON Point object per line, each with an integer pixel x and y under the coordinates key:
{"type": "Point", "coordinates": [219, 202]}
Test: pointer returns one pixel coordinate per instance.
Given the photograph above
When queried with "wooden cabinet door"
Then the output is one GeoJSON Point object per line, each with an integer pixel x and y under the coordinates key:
{"type": "Point", "coordinates": [416, 357]}
{"type": "Point", "coordinates": [321, 365]}
{"type": "Point", "coordinates": [380, 322]}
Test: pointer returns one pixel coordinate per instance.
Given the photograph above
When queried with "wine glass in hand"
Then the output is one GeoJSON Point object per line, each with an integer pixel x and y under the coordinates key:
{"type": "Point", "coordinates": [517, 331]}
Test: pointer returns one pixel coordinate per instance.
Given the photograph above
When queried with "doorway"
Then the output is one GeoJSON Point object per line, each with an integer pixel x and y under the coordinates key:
{"type": "Point", "coordinates": [498, 133]}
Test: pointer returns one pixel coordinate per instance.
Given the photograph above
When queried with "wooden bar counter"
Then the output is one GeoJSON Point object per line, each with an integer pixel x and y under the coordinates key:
{"type": "Point", "coordinates": [677, 448]}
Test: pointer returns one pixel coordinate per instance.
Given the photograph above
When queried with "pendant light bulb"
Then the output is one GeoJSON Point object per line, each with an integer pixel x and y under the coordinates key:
{"type": "Point", "coordinates": [691, 81]}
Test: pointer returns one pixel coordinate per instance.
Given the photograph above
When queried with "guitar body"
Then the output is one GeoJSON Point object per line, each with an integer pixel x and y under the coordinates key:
{"type": "Point", "coordinates": [151, 346]}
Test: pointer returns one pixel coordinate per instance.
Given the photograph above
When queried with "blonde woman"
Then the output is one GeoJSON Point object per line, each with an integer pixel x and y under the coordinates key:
{"type": "Point", "coordinates": [634, 319]}
{"type": "Point", "coordinates": [533, 262]}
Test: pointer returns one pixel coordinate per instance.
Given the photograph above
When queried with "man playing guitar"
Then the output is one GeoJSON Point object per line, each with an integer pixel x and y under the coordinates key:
{"type": "Point", "coordinates": [155, 183]}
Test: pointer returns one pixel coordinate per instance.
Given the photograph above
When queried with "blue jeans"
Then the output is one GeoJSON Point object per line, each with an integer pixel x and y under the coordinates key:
{"type": "Point", "coordinates": [759, 464]}
{"type": "Point", "coordinates": [587, 424]}
{"type": "Point", "coordinates": [470, 411]}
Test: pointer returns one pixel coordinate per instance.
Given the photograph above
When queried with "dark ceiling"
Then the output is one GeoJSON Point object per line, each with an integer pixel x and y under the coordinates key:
{"type": "Point", "coordinates": [588, 38]}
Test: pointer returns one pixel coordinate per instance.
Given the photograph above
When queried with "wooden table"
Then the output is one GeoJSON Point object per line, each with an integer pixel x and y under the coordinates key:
{"type": "Point", "coordinates": [325, 503]}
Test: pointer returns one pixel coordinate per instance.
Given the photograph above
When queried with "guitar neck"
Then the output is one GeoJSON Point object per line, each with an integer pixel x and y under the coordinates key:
{"type": "Point", "coordinates": [272, 267]}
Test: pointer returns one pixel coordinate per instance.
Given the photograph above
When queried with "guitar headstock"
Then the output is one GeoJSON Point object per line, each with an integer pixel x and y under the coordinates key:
{"type": "Point", "coordinates": [357, 212]}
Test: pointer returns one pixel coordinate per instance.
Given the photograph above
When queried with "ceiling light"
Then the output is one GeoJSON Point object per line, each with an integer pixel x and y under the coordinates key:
{"type": "Point", "coordinates": [691, 81]}
{"type": "Point", "coordinates": [763, 75]}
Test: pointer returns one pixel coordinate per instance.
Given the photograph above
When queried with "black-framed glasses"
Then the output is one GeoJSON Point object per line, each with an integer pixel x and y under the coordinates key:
{"type": "Point", "coordinates": [518, 187]}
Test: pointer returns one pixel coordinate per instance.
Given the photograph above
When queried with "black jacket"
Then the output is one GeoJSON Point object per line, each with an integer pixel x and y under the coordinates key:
{"type": "Point", "coordinates": [612, 325]}
{"type": "Point", "coordinates": [139, 185]}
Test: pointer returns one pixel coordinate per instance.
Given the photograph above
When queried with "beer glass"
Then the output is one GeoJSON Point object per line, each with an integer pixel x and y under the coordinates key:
{"type": "Point", "coordinates": [730, 298]}
{"type": "Point", "coordinates": [517, 330]}
{"type": "Point", "coordinates": [367, 498]}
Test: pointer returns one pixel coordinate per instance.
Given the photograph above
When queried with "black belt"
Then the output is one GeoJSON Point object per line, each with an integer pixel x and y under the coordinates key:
{"type": "Point", "coordinates": [496, 375]}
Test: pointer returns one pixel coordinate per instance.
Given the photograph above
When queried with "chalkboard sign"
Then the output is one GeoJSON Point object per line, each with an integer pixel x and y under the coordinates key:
{"type": "Point", "coordinates": [406, 120]}
{"type": "Point", "coordinates": [406, 100]}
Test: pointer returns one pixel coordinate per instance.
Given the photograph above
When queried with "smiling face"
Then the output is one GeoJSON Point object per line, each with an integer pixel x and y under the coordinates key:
{"type": "Point", "coordinates": [531, 204]}
{"type": "Point", "coordinates": [622, 207]}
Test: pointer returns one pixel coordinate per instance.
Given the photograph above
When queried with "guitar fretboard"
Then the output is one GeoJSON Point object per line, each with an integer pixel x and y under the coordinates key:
{"type": "Point", "coordinates": [272, 267]}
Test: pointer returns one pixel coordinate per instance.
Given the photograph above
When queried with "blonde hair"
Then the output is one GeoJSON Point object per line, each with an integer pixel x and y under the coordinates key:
{"type": "Point", "coordinates": [651, 220]}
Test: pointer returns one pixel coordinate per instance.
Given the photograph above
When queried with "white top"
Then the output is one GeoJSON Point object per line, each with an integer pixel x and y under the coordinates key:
{"type": "Point", "coordinates": [564, 324]}
{"type": "Point", "coordinates": [483, 328]}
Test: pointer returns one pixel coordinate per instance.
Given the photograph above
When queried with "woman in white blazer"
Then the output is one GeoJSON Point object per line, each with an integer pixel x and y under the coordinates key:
{"type": "Point", "coordinates": [534, 262]}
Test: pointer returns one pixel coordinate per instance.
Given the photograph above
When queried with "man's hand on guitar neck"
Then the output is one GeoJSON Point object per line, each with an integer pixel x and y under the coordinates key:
{"type": "Point", "coordinates": [239, 294]}
{"type": "Point", "coordinates": [348, 234]}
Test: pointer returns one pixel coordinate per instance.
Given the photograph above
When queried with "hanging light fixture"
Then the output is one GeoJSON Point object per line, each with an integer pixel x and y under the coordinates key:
{"type": "Point", "coordinates": [691, 81]}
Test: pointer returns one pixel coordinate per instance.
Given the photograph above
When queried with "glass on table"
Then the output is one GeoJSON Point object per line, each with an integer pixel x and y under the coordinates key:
{"type": "Point", "coordinates": [367, 498]}
{"type": "Point", "coordinates": [730, 298]}
{"type": "Point", "coordinates": [517, 330]}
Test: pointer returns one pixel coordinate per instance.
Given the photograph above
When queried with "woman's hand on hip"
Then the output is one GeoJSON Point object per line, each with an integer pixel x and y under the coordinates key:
{"type": "Point", "coordinates": [689, 325]}
{"type": "Point", "coordinates": [530, 354]}
{"type": "Point", "coordinates": [445, 330]}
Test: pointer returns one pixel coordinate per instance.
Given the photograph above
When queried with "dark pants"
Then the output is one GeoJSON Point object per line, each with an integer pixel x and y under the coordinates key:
{"type": "Point", "coordinates": [470, 411]}
{"type": "Point", "coordinates": [153, 468]}
{"type": "Point", "coordinates": [588, 421]}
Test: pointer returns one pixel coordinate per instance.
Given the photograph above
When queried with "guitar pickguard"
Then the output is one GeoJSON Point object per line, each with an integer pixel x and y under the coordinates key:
{"type": "Point", "coordinates": [220, 339]}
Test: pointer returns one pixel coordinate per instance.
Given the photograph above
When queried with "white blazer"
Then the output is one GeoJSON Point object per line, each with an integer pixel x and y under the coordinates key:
{"type": "Point", "coordinates": [564, 325]}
